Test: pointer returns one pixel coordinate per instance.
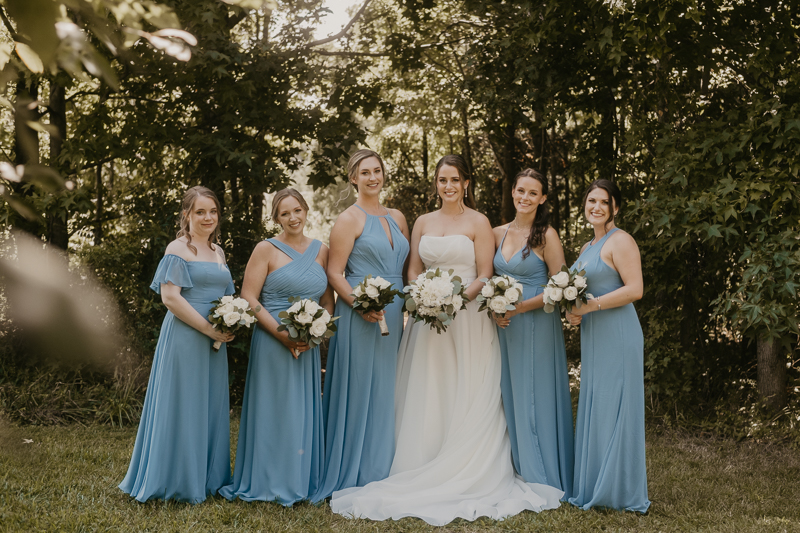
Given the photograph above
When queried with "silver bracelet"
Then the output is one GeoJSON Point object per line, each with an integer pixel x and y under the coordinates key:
{"type": "Point", "coordinates": [598, 304]}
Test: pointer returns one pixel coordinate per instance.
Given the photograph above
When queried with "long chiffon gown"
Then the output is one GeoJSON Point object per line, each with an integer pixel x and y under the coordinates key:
{"type": "Point", "coordinates": [280, 450]}
{"type": "Point", "coordinates": [358, 400]}
{"type": "Point", "coordinates": [453, 455]}
{"type": "Point", "coordinates": [182, 449]}
{"type": "Point", "coordinates": [535, 382]}
{"type": "Point", "coordinates": [610, 469]}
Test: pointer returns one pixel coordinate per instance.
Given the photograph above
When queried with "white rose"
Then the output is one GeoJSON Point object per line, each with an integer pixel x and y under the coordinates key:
{"type": "Point", "coordinates": [231, 318]}
{"type": "Point", "coordinates": [457, 301]}
{"type": "Point", "coordinates": [303, 318]}
{"type": "Point", "coordinates": [512, 295]}
{"type": "Point", "coordinates": [580, 282]}
{"type": "Point", "coordinates": [326, 316]}
{"type": "Point", "coordinates": [311, 307]}
{"type": "Point", "coordinates": [570, 293]}
{"type": "Point", "coordinates": [487, 291]}
{"type": "Point", "coordinates": [294, 308]}
{"type": "Point", "coordinates": [318, 328]}
{"type": "Point", "coordinates": [358, 292]}
{"type": "Point", "coordinates": [241, 303]}
{"type": "Point", "coordinates": [498, 304]}
{"type": "Point", "coordinates": [226, 299]}
{"type": "Point", "coordinates": [561, 279]}
{"type": "Point", "coordinates": [250, 319]}
{"type": "Point", "coordinates": [382, 283]}
{"type": "Point", "coordinates": [556, 294]}
{"type": "Point", "coordinates": [373, 291]}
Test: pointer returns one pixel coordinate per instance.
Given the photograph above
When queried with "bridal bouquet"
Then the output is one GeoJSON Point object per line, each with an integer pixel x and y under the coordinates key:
{"type": "Point", "coordinates": [435, 297]}
{"type": "Point", "coordinates": [499, 295]}
{"type": "Point", "coordinates": [307, 321]}
{"type": "Point", "coordinates": [566, 288]}
{"type": "Point", "coordinates": [374, 294]}
{"type": "Point", "coordinates": [229, 314]}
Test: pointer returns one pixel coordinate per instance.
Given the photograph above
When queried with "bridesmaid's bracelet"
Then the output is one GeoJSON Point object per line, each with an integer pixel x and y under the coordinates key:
{"type": "Point", "coordinates": [598, 304]}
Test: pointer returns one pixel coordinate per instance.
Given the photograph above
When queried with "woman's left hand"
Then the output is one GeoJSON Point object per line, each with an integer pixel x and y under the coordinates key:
{"type": "Point", "coordinates": [503, 321]}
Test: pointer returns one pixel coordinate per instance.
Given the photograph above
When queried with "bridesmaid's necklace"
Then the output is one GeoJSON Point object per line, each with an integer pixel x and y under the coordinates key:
{"type": "Point", "coordinates": [520, 228]}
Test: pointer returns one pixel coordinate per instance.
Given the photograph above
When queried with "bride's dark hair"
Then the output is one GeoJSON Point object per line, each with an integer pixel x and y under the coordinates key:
{"type": "Point", "coordinates": [457, 162]}
{"type": "Point", "coordinates": [542, 218]}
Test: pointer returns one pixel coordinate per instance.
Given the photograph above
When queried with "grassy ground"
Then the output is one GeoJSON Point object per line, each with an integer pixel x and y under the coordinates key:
{"type": "Point", "coordinates": [66, 480]}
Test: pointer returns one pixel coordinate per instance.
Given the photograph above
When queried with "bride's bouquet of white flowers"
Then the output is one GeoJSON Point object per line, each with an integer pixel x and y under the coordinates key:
{"type": "Point", "coordinates": [566, 288]}
{"type": "Point", "coordinates": [307, 321]}
{"type": "Point", "coordinates": [499, 295]}
{"type": "Point", "coordinates": [435, 297]}
{"type": "Point", "coordinates": [229, 314]}
{"type": "Point", "coordinates": [374, 294]}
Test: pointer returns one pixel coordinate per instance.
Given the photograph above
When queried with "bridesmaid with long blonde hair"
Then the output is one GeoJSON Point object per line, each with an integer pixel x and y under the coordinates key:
{"type": "Point", "coordinates": [368, 238]}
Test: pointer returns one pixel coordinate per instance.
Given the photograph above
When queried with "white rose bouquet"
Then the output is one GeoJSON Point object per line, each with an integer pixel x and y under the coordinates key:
{"type": "Point", "coordinates": [435, 297]}
{"type": "Point", "coordinates": [374, 294]}
{"type": "Point", "coordinates": [499, 295]}
{"type": "Point", "coordinates": [307, 321]}
{"type": "Point", "coordinates": [230, 314]}
{"type": "Point", "coordinates": [566, 288]}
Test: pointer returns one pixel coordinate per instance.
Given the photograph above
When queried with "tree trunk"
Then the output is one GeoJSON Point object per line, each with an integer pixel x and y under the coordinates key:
{"type": "Point", "coordinates": [98, 213]}
{"type": "Point", "coordinates": [26, 145]}
{"type": "Point", "coordinates": [424, 153]}
{"type": "Point", "coordinates": [467, 148]}
{"type": "Point", "coordinates": [509, 171]}
{"type": "Point", "coordinates": [771, 374]}
{"type": "Point", "coordinates": [57, 233]}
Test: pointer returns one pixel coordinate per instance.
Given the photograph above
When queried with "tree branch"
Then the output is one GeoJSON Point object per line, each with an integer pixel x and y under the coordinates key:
{"type": "Point", "coordinates": [350, 54]}
{"type": "Point", "coordinates": [344, 31]}
{"type": "Point", "coordinates": [7, 24]}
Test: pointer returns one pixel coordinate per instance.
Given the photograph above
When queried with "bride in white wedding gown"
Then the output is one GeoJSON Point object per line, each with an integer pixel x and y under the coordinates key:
{"type": "Point", "coordinates": [453, 454]}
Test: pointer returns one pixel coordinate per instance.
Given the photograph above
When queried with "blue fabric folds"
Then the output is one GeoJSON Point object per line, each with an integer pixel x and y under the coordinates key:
{"type": "Point", "coordinates": [535, 382]}
{"type": "Point", "coordinates": [280, 450]}
{"type": "Point", "coordinates": [610, 467]}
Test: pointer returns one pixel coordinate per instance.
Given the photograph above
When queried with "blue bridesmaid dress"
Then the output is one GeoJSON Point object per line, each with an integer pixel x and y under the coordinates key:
{"type": "Point", "coordinates": [358, 401]}
{"type": "Point", "coordinates": [535, 382]}
{"type": "Point", "coordinates": [182, 449]}
{"type": "Point", "coordinates": [610, 469]}
{"type": "Point", "coordinates": [280, 450]}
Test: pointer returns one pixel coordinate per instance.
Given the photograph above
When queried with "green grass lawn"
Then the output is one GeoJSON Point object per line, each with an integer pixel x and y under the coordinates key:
{"type": "Point", "coordinates": [66, 480]}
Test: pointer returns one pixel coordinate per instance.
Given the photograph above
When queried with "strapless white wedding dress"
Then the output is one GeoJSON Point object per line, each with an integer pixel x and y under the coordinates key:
{"type": "Point", "coordinates": [453, 454]}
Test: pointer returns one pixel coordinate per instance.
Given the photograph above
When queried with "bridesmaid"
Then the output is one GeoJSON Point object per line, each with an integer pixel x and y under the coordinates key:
{"type": "Point", "coordinates": [535, 382]}
{"type": "Point", "coordinates": [610, 469]}
{"type": "Point", "coordinates": [358, 402]}
{"type": "Point", "coordinates": [182, 449]}
{"type": "Point", "coordinates": [280, 452]}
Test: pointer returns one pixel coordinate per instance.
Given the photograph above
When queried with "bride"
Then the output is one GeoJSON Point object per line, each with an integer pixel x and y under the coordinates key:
{"type": "Point", "coordinates": [453, 454]}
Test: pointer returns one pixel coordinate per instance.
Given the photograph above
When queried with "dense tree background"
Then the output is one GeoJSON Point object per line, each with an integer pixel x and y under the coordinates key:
{"type": "Point", "coordinates": [692, 107]}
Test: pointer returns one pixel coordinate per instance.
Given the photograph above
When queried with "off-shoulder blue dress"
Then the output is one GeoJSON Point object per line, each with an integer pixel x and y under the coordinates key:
{"type": "Point", "coordinates": [535, 382]}
{"type": "Point", "coordinates": [358, 400]}
{"type": "Point", "coordinates": [610, 468]}
{"type": "Point", "coordinates": [182, 449]}
{"type": "Point", "coordinates": [280, 450]}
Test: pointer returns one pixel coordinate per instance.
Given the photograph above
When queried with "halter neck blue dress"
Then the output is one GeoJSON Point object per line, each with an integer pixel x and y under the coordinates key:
{"type": "Point", "coordinates": [535, 382]}
{"type": "Point", "coordinates": [182, 449]}
{"type": "Point", "coordinates": [358, 400]}
{"type": "Point", "coordinates": [610, 469]}
{"type": "Point", "coordinates": [280, 450]}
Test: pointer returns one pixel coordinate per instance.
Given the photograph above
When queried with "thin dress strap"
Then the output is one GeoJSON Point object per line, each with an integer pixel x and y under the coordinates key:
{"type": "Point", "coordinates": [380, 216]}
{"type": "Point", "coordinates": [285, 248]}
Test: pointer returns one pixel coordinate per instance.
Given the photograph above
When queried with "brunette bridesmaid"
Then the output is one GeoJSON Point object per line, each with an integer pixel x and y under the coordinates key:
{"type": "Point", "coordinates": [610, 468]}
{"type": "Point", "coordinates": [535, 381]}
{"type": "Point", "coordinates": [279, 456]}
{"type": "Point", "coordinates": [358, 400]}
{"type": "Point", "coordinates": [182, 449]}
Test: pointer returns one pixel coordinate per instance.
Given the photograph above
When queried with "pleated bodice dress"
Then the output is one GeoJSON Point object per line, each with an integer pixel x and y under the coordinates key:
{"type": "Point", "coordinates": [280, 450]}
{"type": "Point", "coordinates": [182, 449]}
{"type": "Point", "coordinates": [453, 456]}
{"type": "Point", "coordinates": [610, 469]}
{"type": "Point", "coordinates": [358, 400]}
{"type": "Point", "coordinates": [535, 382]}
